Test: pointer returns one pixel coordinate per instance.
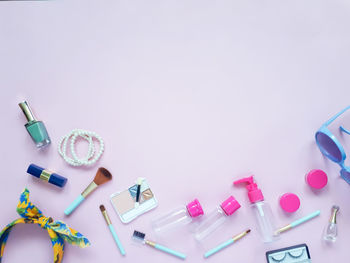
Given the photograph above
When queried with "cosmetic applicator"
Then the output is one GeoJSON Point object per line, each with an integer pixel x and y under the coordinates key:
{"type": "Point", "coordinates": [138, 192]}
{"type": "Point", "coordinates": [139, 236]}
{"type": "Point", "coordinates": [102, 176]}
{"type": "Point", "coordinates": [298, 222]}
{"type": "Point", "coordinates": [111, 228]}
{"type": "Point", "coordinates": [226, 244]}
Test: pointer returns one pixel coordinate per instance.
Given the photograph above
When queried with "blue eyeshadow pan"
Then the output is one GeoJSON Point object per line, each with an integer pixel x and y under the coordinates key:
{"type": "Point", "coordinates": [133, 190]}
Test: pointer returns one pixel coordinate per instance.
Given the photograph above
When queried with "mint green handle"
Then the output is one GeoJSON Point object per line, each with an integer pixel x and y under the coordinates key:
{"type": "Point", "coordinates": [74, 205]}
{"type": "Point", "coordinates": [170, 251]}
{"type": "Point", "coordinates": [119, 244]}
{"type": "Point", "coordinates": [305, 218]}
{"type": "Point", "coordinates": [218, 248]}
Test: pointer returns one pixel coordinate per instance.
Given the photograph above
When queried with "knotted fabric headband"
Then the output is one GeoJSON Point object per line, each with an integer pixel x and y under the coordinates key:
{"type": "Point", "coordinates": [57, 230]}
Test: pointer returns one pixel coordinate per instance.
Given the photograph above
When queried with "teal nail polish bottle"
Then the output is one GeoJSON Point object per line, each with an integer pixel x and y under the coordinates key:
{"type": "Point", "coordinates": [35, 128]}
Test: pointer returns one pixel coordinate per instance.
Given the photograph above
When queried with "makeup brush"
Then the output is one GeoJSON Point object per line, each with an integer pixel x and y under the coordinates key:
{"type": "Point", "coordinates": [111, 228]}
{"type": "Point", "coordinates": [102, 176]}
{"type": "Point", "coordinates": [139, 236]}
{"type": "Point", "coordinates": [298, 222]}
{"type": "Point", "coordinates": [138, 192]}
{"type": "Point", "coordinates": [226, 244]}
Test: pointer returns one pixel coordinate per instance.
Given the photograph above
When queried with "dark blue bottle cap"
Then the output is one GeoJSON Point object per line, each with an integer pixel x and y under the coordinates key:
{"type": "Point", "coordinates": [46, 175]}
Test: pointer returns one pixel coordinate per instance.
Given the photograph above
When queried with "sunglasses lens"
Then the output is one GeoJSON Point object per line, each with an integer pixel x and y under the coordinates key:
{"type": "Point", "coordinates": [345, 175]}
{"type": "Point", "coordinates": [329, 147]}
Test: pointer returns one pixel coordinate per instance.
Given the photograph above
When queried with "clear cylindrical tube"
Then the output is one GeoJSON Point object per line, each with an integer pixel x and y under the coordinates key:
{"type": "Point", "coordinates": [213, 221]}
{"type": "Point", "coordinates": [264, 218]}
{"type": "Point", "coordinates": [216, 218]}
{"type": "Point", "coordinates": [178, 217]}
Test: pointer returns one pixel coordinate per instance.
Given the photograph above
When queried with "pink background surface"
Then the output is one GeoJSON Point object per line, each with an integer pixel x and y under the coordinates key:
{"type": "Point", "coordinates": [190, 95]}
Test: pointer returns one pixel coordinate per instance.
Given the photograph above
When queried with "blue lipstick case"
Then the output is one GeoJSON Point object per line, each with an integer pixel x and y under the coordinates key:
{"type": "Point", "coordinates": [294, 254]}
{"type": "Point", "coordinates": [46, 175]}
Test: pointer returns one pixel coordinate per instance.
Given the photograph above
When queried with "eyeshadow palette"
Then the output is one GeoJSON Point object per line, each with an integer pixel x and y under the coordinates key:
{"type": "Point", "coordinates": [124, 202]}
{"type": "Point", "coordinates": [294, 254]}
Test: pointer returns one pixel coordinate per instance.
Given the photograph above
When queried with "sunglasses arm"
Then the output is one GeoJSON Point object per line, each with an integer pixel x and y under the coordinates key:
{"type": "Point", "coordinates": [336, 116]}
{"type": "Point", "coordinates": [344, 130]}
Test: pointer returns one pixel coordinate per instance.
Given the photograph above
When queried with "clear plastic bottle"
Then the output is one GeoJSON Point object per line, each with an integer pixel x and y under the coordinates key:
{"type": "Point", "coordinates": [216, 218]}
{"type": "Point", "coordinates": [261, 210]}
{"type": "Point", "coordinates": [264, 218]}
{"type": "Point", "coordinates": [178, 217]}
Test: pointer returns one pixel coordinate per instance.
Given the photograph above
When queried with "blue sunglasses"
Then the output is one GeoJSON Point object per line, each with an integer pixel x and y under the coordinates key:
{"type": "Point", "coordinates": [331, 147]}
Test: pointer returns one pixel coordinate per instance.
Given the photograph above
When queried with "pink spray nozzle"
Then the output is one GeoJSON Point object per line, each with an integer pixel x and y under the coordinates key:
{"type": "Point", "coordinates": [194, 208]}
{"type": "Point", "coordinates": [230, 205]}
{"type": "Point", "coordinates": [254, 193]}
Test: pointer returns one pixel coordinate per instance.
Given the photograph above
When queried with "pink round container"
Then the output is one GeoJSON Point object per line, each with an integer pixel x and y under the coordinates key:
{"type": "Point", "coordinates": [316, 179]}
{"type": "Point", "coordinates": [289, 202]}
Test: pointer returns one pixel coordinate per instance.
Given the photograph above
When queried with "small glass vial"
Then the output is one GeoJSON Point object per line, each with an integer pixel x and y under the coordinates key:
{"type": "Point", "coordinates": [216, 218]}
{"type": "Point", "coordinates": [35, 128]}
{"type": "Point", "coordinates": [331, 231]}
{"type": "Point", "coordinates": [178, 217]}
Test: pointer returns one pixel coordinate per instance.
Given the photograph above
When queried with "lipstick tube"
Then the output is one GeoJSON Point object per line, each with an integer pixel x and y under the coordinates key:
{"type": "Point", "coordinates": [46, 175]}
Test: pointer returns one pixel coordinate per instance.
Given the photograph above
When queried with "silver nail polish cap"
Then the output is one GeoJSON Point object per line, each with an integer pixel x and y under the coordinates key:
{"type": "Point", "coordinates": [27, 111]}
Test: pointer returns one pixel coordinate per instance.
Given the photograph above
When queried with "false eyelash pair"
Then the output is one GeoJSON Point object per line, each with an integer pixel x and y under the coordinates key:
{"type": "Point", "coordinates": [299, 253]}
{"type": "Point", "coordinates": [281, 256]}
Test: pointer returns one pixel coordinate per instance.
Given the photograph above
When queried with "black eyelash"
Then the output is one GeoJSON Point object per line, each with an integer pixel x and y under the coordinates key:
{"type": "Point", "coordinates": [302, 252]}
{"type": "Point", "coordinates": [279, 260]}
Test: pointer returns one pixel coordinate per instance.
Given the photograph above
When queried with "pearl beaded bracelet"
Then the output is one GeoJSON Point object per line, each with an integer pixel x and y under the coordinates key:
{"type": "Point", "coordinates": [90, 157]}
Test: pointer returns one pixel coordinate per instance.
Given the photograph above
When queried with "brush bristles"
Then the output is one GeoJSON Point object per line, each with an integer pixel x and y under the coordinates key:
{"type": "Point", "coordinates": [139, 235]}
{"type": "Point", "coordinates": [248, 231]}
{"type": "Point", "coordinates": [102, 176]}
{"type": "Point", "coordinates": [102, 208]}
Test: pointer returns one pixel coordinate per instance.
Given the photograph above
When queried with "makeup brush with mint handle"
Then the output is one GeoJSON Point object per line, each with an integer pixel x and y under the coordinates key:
{"type": "Point", "coordinates": [102, 176]}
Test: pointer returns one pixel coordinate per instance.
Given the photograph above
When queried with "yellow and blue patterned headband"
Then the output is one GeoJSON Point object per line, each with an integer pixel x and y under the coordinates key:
{"type": "Point", "coordinates": [58, 231]}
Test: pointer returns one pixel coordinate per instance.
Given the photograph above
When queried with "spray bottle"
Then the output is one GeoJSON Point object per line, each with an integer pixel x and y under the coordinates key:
{"type": "Point", "coordinates": [261, 209]}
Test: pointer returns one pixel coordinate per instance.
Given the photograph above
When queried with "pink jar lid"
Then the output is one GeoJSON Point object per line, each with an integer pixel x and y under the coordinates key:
{"type": "Point", "coordinates": [194, 208]}
{"type": "Point", "coordinates": [317, 179]}
{"type": "Point", "coordinates": [289, 202]}
{"type": "Point", "coordinates": [230, 205]}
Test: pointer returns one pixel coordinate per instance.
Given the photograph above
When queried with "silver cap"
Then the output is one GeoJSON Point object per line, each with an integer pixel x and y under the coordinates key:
{"type": "Point", "coordinates": [27, 111]}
